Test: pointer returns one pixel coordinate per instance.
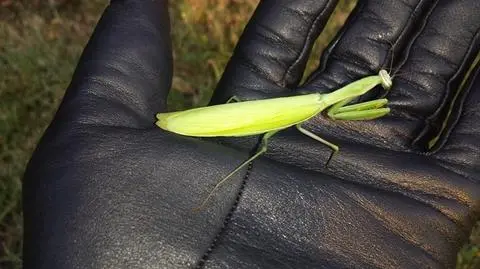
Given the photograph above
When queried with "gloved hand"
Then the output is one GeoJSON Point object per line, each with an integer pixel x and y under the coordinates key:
{"type": "Point", "coordinates": [107, 189]}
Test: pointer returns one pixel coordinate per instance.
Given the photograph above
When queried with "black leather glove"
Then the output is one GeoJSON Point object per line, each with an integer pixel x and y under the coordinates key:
{"type": "Point", "coordinates": [108, 189]}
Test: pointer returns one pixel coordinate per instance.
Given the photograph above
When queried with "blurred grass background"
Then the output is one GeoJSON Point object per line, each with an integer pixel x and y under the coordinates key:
{"type": "Point", "coordinates": [40, 43]}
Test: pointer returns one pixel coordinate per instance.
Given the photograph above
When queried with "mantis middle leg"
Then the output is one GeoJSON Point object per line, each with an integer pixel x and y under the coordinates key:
{"type": "Point", "coordinates": [319, 139]}
{"type": "Point", "coordinates": [233, 99]}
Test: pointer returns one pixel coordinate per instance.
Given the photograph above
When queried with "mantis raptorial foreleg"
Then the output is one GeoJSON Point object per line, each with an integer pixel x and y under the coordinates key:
{"type": "Point", "coordinates": [261, 149]}
{"type": "Point", "coordinates": [361, 111]}
{"type": "Point", "coordinates": [378, 103]}
{"type": "Point", "coordinates": [333, 109]}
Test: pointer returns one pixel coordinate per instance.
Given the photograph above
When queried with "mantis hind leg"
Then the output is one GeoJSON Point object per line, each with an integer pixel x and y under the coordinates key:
{"type": "Point", "coordinates": [262, 149]}
{"type": "Point", "coordinates": [321, 140]}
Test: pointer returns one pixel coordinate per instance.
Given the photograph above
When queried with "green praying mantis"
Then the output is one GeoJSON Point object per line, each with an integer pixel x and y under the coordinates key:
{"type": "Point", "coordinates": [269, 116]}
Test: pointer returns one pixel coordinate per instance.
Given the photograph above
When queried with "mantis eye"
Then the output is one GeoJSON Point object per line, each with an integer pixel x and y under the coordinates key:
{"type": "Point", "coordinates": [386, 79]}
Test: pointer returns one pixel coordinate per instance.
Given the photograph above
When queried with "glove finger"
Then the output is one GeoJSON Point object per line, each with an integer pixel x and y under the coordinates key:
{"type": "Point", "coordinates": [444, 46]}
{"type": "Point", "coordinates": [125, 71]}
{"type": "Point", "coordinates": [457, 147]}
{"type": "Point", "coordinates": [372, 33]}
{"type": "Point", "coordinates": [273, 50]}
{"type": "Point", "coordinates": [436, 65]}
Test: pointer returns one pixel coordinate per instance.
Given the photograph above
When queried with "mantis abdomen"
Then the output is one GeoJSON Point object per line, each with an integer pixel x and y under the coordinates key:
{"type": "Point", "coordinates": [242, 118]}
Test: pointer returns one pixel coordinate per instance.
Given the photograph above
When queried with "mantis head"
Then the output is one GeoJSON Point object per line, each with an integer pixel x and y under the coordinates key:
{"type": "Point", "coordinates": [386, 79]}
